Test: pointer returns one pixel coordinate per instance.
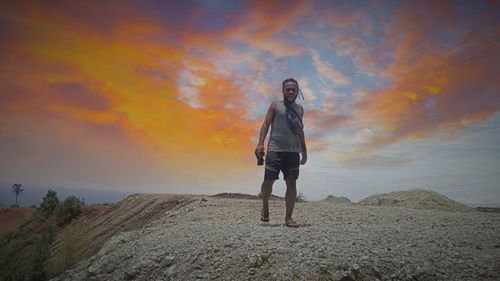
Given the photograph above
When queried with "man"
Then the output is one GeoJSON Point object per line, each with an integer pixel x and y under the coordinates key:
{"type": "Point", "coordinates": [283, 150]}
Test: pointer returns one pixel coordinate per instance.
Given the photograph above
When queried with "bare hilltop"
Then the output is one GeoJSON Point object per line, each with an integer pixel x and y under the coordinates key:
{"type": "Point", "coordinates": [417, 198]}
{"type": "Point", "coordinates": [194, 237]}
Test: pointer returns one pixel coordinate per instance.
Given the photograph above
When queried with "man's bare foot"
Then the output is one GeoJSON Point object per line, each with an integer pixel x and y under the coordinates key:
{"type": "Point", "coordinates": [291, 223]}
{"type": "Point", "coordinates": [264, 214]}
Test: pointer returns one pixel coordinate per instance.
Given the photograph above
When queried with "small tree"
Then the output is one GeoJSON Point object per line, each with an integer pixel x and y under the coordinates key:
{"type": "Point", "coordinates": [17, 188]}
{"type": "Point", "coordinates": [48, 205]}
{"type": "Point", "coordinates": [69, 209]}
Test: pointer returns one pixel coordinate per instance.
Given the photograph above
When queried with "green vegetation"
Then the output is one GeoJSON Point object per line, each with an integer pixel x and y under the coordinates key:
{"type": "Point", "coordinates": [27, 259]}
{"type": "Point", "coordinates": [69, 209]}
{"type": "Point", "coordinates": [25, 255]}
{"type": "Point", "coordinates": [104, 204]}
{"type": "Point", "coordinates": [48, 205]}
{"type": "Point", "coordinates": [64, 212]}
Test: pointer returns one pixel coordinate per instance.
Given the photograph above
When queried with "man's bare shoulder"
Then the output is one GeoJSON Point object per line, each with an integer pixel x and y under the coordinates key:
{"type": "Point", "coordinates": [301, 108]}
{"type": "Point", "coordinates": [274, 103]}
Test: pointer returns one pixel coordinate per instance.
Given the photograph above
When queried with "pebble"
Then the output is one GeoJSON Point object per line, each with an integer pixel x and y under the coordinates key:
{"type": "Point", "coordinates": [167, 261]}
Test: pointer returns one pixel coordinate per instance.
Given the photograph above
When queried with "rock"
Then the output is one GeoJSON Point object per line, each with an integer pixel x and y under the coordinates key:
{"type": "Point", "coordinates": [252, 271]}
{"type": "Point", "coordinates": [376, 272]}
{"type": "Point", "coordinates": [323, 267]}
{"type": "Point", "coordinates": [265, 257]}
{"type": "Point", "coordinates": [355, 267]}
{"type": "Point", "coordinates": [130, 275]}
{"type": "Point", "coordinates": [110, 268]}
{"type": "Point", "coordinates": [251, 261]}
{"type": "Point", "coordinates": [254, 261]}
{"type": "Point", "coordinates": [127, 256]}
{"type": "Point", "coordinates": [167, 261]}
{"type": "Point", "coordinates": [92, 271]}
{"type": "Point", "coordinates": [348, 276]}
{"type": "Point", "coordinates": [258, 262]}
{"type": "Point", "coordinates": [203, 275]}
{"type": "Point", "coordinates": [418, 273]}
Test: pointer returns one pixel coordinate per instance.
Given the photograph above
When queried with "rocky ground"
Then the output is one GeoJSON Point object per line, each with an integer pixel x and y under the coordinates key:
{"type": "Point", "coordinates": [223, 239]}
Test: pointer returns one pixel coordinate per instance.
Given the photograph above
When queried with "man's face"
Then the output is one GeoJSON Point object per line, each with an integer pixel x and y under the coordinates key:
{"type": "Point", "coordinates": [290, 91]}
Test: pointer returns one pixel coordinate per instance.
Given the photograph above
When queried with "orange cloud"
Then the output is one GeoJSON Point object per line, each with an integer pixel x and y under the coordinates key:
{"type": "Point", "coordinates": [86, 77]}
{"type": "Point", "coordinates": [434, 86]}
{"type": "Point", "coordinates": [83, 85]}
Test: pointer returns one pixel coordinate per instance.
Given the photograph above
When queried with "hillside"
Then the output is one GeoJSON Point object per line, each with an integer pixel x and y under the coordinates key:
{"type": "Point", "coordinates": [99, 223]}
{"type": "Point", "coordinates": [337, 200]}
{"type": "Point", "coordinates": [415, 198]}
{"type": "Point", "coordinates": [211, 238]}
{"type": "Point", "coordinates": [12, 218]}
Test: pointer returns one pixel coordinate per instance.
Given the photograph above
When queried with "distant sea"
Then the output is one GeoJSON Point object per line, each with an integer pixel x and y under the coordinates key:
{"type": "Point", "coordinates": [32, 195]}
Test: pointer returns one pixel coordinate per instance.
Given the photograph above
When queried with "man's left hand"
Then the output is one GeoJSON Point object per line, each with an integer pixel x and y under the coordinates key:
{"type": "Point", "coordinates": [304, 159]}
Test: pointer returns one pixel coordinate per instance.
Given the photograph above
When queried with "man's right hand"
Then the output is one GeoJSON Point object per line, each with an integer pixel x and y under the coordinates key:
{"type": "Point", "coordinates": [259, 151]}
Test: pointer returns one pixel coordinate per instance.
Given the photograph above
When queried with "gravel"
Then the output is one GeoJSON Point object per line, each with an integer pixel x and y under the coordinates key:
{"type": "Point", "coordinates": [223, 239]}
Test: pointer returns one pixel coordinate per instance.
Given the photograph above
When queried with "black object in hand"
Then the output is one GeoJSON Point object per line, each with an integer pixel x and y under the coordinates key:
{"type": "Point", "coordinates": [260, 161]}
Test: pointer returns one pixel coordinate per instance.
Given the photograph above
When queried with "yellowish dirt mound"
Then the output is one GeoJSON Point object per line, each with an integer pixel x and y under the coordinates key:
{"type": "Point", "coordinates": [417, 198]}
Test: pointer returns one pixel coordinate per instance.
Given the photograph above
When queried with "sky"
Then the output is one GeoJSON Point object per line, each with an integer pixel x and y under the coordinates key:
{"type": "Point", "coordinates": [170, 96]}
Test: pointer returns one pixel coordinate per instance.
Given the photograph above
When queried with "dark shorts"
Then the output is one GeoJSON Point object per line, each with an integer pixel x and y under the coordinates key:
{"type": "Point", "coordinates": [286, 162]}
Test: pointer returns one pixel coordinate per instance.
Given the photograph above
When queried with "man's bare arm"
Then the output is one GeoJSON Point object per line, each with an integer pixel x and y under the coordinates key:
{"type": "Point", "coordinates": [266, 124]}
{"type": "Point", "coordinates": [302, 140]}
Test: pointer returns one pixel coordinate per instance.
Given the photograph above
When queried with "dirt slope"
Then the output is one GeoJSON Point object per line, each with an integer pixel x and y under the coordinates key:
{"type": "Point", "coordinates": [12, 218]}
{"type": "Point", "coordinates": [99, 223]}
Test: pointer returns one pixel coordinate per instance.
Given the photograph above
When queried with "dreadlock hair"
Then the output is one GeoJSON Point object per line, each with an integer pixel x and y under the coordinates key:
{"type": "Point", "coordinates": [294, 81]}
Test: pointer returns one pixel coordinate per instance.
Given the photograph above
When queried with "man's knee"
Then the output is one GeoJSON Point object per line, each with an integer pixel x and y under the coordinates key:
{"type": "Point", "coordinates": [291, 182]}
{"type": "Point", "coordinates": [268, 183]}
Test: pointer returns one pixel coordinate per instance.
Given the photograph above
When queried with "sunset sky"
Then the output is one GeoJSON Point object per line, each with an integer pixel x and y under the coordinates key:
{"type": "Point", "coordinates": [169, 96]}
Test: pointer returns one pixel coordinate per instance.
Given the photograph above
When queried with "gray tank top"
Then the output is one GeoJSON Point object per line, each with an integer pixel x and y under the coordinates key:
{"type": "Point", "coordinates": [282, 138]}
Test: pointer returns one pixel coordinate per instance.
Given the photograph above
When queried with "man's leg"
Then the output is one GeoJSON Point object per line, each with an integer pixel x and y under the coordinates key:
{"type": "Point", "coordinates": [265, 192]}
{"type": "Point", "coordinates": [290, 197]}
